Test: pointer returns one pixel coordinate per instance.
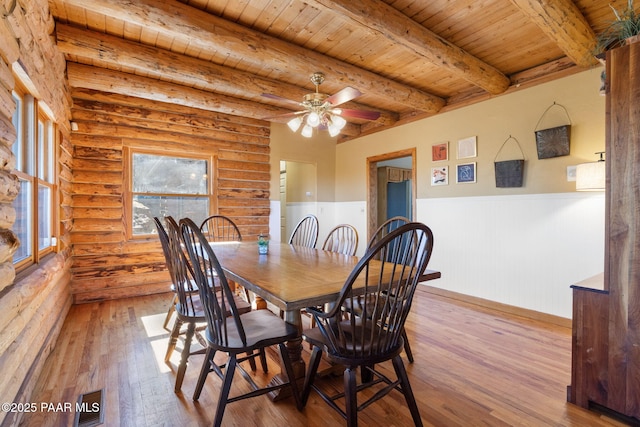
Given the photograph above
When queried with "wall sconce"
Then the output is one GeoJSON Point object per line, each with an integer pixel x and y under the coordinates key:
{"type": "Point", "coordinates": [591, 176]}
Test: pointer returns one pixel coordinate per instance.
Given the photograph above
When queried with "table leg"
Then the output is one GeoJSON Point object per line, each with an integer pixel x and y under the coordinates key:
{"type": "Point", "coordinates": [294, 348]}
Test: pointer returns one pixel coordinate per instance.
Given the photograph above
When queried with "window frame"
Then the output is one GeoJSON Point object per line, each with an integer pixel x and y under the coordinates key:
{"type": "Point", "coordinates": [27, 169]}
{"type": "Point", "coordinates": [128, 155]}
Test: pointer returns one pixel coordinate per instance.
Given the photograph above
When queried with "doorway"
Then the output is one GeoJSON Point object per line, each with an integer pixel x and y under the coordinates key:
{"type": "Point", "coordinates": [298, 187]}
{"type": "Point", "coordinates": [392, 187]}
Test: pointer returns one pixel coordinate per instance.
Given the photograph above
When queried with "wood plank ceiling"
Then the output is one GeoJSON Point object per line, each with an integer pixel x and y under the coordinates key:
{"type": "Point", "coordinates": [410, 58]}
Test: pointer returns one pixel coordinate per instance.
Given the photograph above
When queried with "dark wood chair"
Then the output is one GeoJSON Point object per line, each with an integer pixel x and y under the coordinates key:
{"type": "Point", "coordinates": [375, 336]}
{"type": "Point", "coordinates": [188, 307]}
{"type": "Point", "coordinates": [385, 228]}
{"type": "Point", "coordinates": [237, 333]}
{"type": "Point", "coordinates": [305, 233]}
{"type": "Point", "coordinates": [342, 239]}
{"type": "Point", "coordinates": [219, 228]}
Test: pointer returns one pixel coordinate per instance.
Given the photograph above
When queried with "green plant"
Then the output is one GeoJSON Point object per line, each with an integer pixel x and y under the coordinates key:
{"type": "Point", "coordinates": [626, 24]}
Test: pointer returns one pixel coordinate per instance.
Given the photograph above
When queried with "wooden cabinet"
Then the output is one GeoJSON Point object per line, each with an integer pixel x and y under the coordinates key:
{"type": "Point", "coordinates": [606, 326]}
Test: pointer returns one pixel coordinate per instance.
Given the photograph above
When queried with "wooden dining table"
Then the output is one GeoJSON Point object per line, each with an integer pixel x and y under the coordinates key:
{"type": "Point", "coordinates": [291, 278]}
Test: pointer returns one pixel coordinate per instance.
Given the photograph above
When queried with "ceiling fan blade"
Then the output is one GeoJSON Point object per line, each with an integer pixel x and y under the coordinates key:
{"type": "Point", "coordinates": [281, 99]}
{"type": "Point", "coordinates": [284, 116]}
{"type": "Point", "coordinates": [342, 96]}
{"type": "Point", "coordinates": [358, 114]}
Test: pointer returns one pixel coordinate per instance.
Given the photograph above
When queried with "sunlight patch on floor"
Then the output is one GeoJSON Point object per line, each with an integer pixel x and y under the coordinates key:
{"type": "Point", "coordinates": [159, 339]}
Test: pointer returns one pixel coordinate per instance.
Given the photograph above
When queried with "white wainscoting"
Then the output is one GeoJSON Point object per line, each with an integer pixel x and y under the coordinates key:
{"type": "Point", "coordinates": [524, 251]}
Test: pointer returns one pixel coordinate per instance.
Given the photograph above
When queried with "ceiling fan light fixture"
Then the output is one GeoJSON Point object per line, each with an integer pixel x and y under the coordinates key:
{"type": "Point", "coordinates": [307, 131]}
{"type": "Point", "coordinates": [333, 130]}
{"type": "Point", "coordinates": [313, 119]}
{"type": "Point", "coordinates": [338, 121]}
{"type": "Point", "coordinates": [294, 124]}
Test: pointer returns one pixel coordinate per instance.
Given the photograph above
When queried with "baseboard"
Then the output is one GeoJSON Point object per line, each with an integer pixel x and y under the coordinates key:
{"type": "Point", "coordinates": [505, 308]}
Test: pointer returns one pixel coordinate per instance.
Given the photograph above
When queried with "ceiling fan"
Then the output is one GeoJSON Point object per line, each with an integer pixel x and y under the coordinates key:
{"type": "Point", "coordinates": [320, 111]}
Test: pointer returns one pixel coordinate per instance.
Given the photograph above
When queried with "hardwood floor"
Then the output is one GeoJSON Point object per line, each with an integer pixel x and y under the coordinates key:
{"type": "Point", "coordinates": [473, 366]}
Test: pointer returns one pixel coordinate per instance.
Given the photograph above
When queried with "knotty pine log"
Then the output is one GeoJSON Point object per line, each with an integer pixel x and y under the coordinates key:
{"type": "Point", "coordinates": [564, 23]}
{"type": "Point", "coordinates": [89, 77]}
{"type": "Point", "coordinates": [7, 138]}
{"type": "Point", "coordinates": [201, 117]}
{"type": "Point", "coordinates": [112, 113]}
{"type": "Point", "coordinates": [96, 201]}
{"type": "Point", "coordinates": [40, 58]}
{"type": "Point", "coordinates": [41, 299]}
{"type": "Point", "coordinates": [9, 48]}
{"type": "Point", "coordinates": [7, 274]}
{"type": "Point", "coordinates": [404, 31]}
{"type": "Point", "coordinates": [9, 243]}
{"type": "Point", "coordinates": [7, 104]}
{"type": "Point", "coordinates": [210, 32]}
{"type": "Point", "coordinates": [9, 186]}
{"type": "Point", "coordinates": [188, 71]}
{"type": "Point", "coordinates": [7, 215]}
{"type": "Point", "coordinates": [93, 238]}
{"type": "Point", "coordinates": [105, 264]}
{"type": "Point", "coordinates": [7, 81]}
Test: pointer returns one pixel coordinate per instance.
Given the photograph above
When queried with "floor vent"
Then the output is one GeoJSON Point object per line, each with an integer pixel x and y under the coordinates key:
{"type": "Point", "coordinates": [90, 409]}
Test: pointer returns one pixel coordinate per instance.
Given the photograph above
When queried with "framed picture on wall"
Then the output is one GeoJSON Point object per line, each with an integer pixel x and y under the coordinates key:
{"type": "Point", "coordinates": [440, 175]}
{"type": "Point", "coordinates": [466, 173]}
{"type": "Point", "coordinates": [440, 152]}
{"type": "Point", "coordinates": [467, 148]}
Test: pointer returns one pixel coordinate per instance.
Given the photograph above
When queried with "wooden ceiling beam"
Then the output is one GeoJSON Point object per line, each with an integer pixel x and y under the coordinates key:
{"type": "Point", "coordinates": [563, 22]}
{"type": "Point", "coordinates": [388, 22]}
{"type": "Point", "coordinates": [166, 65]}
{"type": "Point", "coordinates": [214, 34]}
{"type": "Point", "coordinates": [102, 79]}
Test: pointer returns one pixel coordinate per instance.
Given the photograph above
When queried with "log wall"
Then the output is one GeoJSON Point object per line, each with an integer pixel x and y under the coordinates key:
{"type": "Point", "coordinates": [106, 264]}
{"type": "Point", "coordinates": [33, 304]}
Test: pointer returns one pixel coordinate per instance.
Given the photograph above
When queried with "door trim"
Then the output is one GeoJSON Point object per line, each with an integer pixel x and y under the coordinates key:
{"type": "Point", "coordinates": [372, 186]}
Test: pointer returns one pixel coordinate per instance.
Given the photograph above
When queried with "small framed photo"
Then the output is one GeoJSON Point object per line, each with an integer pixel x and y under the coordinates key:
{"type": "Point", "coordinates": [466, 173]}
{"type": "Point", "coordinates": [440, 152]}
{"type": "Point", "coordinates": [467, 148]}
{"type": "Point", "coordinates": [440, 175]}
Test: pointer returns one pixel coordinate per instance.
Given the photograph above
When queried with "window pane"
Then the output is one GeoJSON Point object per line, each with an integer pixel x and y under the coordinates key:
{"type": "Point", "coordinates": [147, 207]}
{"type": "Point", "coordinates": [44, 217]}
{"type": "Point", "coordinates": [169, 175]}
{"type": "Point", "coordinates": [18, 145]}
{"type": "Point", "coordinates": [45, 149]}
{"type": "Point", "coordinates": [22, 225]}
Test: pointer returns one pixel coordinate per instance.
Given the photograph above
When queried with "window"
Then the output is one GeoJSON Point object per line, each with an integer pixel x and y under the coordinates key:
{"type": "Point", "coordinates": [164, 185]}
{"type": "Point", "coordinates": [35, 158]}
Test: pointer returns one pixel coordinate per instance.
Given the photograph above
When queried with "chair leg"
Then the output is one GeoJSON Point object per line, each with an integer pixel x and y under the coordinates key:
{"type": "Point", "coordinates": [314, 362]}
{"type": "Point", "coordinates": [173, 339]}
{"type": "Point", "coordinates": [351, 403]}
{"type": "Point", "coordinates": [401, 372]}
{"type": "Point", "coordinates": [252, 361]}
{"type": "Point", "coordinates": [407, 347]}
{"type": "Point", "coordinates": [204, 371]}
{"type": "Point", "coordinates": [184, 359]}
{"type": "Point", "coordinates": [170, 312]}
{"type": "Point", "coordinates": [224, 391]}
{"type": "Point", "coordinates": [263, 361]}
{"type": "Point", "coordinates": [284, 353]}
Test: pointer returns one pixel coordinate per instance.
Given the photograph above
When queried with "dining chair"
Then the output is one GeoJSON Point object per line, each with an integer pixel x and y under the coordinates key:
{"type": "Point", "coordinates": [248, 333]}
{"type": "Point", "coordinates": [306, 232]}
{"type": "Point", "coordinates": [376, 336]}
{"type": "Point", "coordinates": [342, 239]}
{"type": "Point", "coordinates": [188, 307]}
{"type": "Point", "coordinates": [219, 228]}
{"type": "Point", "coordinates": [385, 228]}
